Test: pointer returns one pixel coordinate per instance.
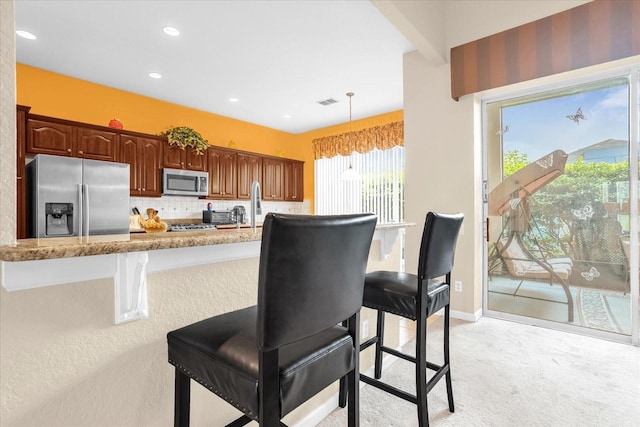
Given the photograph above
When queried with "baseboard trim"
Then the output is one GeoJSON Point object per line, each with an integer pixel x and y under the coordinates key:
{"type": "Point", "coordinates": [469, 317]}
{"type": "Point", "coordinates": [319, 413]}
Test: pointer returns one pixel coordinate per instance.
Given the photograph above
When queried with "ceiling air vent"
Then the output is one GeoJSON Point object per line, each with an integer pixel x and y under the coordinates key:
{"type": "Point", "coordinates": [327, 101]}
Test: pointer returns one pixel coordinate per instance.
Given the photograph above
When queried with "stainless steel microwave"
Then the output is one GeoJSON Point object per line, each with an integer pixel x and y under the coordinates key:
{"type": "Point", "coordinates": [178, 182]}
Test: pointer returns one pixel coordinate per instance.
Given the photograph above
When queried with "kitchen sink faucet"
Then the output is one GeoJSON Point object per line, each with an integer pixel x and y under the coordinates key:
{"type": "Point", "coordinates": [256, 204]}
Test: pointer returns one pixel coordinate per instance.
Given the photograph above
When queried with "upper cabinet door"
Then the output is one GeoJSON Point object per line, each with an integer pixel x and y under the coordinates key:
{"type": "Point", "coordinates": [293, 181]}
{"type": "Point", "coordinates": [222, 173]}
{"type": "Point", "coordinates": [249, 170]}
{"type": "Point", "coordinates": [149, 168]}
{"type": "Point", "coordinates": [129, 152]}
{"type": "Point", "coordinates": [195, 161]}
{"type": "Point", "coordinates": [273, 173]}
{"type": "Point", "coordinates": [49, 138]}
{"type": "Point", "coordinates": [96, 144]}
{"type": "Point", "coordinates": [173, 157]}
{"type": "Point", "coordinates": [144, 156]}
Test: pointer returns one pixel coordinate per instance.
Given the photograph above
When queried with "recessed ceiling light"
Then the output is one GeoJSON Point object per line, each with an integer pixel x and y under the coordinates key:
{"type": "Point", "coordinates": [171, 31]}
{"type": "Point", "coordinates": [26, 34]}
{"type": "Point", "coordinates": [155, 75]}
{"type": "Point", "coordinates": [287, 116]}
{"type": "Point", "coordinates": [234, 100]}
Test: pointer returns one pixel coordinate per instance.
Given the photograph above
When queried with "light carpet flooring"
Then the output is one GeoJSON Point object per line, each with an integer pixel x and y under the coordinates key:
{"type": "Point", "coordinates": [511, 374]}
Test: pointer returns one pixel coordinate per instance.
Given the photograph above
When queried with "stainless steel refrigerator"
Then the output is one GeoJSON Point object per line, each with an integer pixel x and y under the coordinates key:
{"type": "Point", "coordinates": [67, 196]}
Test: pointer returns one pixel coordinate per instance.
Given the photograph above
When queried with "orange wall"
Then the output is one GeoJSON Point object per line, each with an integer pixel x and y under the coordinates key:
{"type": "Point", "coordinates": [56, 95]}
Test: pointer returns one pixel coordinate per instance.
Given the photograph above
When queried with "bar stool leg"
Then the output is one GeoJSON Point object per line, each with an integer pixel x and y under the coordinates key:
{"type": "Point", "coordinates": [421, 371]}
{"type": "Point", "coordinates": [446, 358]}
{"type": "Point", "coordinates": [379, 344]}
{"type": "Point", "coordinates": [343, 387]}
{"type": "Point", "coordinates": [182, 400]}
{"type": "Point", "coordinates": [342, 394]}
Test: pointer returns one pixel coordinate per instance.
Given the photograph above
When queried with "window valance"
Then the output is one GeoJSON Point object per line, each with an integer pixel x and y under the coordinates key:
{"type": "Point", "coordinates": [589, 34]}
{"type": "Point", "coordinates": [381, 137]}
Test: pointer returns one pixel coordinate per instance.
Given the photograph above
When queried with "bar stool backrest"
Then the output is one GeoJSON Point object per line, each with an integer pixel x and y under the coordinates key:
{"type": "Point", "coordinates": [311, 274]}
{"type": "Point", "coordinates": [438, 245]}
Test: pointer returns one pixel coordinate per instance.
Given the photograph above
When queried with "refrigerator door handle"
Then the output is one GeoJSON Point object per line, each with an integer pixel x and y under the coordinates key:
{"type": "Point", "coordinates": [85, 209]}
{"type": "Point", "coordinates": [79, 211]}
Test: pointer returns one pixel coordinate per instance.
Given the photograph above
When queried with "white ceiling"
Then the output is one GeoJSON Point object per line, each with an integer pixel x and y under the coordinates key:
{"type": "Point", "coordinates": [276, 57]}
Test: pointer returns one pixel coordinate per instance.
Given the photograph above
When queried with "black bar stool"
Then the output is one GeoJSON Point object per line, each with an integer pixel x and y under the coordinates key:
{"type": "Point", "coordinates": [268, 359]}
{"type": "Point", "coordinates": [415, 297]}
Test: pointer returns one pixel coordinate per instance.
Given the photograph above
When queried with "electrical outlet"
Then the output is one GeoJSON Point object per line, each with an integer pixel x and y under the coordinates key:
{"type": "Point", "coordinates": [365, 329]}
{"type": "Point", "coordinates": [458, 285]}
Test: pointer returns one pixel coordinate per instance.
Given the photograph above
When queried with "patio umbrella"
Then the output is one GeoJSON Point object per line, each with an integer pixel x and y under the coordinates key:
{"type": "Point", "coordinates": [526, 181]}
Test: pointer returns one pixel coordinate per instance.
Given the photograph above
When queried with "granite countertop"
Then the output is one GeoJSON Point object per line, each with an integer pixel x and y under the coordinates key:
{"type": "Point", "coordinates": [68, 247]}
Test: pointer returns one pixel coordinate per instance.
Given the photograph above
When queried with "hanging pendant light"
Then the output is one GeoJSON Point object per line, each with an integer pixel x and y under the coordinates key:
{"type": "Point", "coordinates": [350, 174]}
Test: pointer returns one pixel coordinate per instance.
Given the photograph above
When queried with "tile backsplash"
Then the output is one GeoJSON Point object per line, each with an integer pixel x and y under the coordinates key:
{"type": "Point", "coordinates": [184, 207]}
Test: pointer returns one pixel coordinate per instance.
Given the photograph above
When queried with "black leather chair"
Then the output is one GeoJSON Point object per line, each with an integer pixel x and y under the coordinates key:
{"type": "Point", "coordinates": [415, 297]}
{"type": "Point", "coordinates": [268, 359]}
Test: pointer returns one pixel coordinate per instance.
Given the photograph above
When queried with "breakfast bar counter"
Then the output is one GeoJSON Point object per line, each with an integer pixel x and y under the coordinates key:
{"type": "Point", "coordinates": [85, 322]}
{"type": "Point", "coordinates": [126, 259]}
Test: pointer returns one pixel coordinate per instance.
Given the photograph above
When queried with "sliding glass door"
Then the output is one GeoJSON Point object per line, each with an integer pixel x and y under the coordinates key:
{"type": "Point", "coordinates": [562, 203]}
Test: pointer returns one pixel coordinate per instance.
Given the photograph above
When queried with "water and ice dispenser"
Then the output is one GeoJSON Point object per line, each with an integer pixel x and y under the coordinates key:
{"type": "Point", "coordinates": [59, 219]}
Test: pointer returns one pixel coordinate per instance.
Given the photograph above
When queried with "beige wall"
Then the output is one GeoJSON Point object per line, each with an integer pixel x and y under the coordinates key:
{"type": "Point", "coordinates": [7, 124]}
{"type": "Point", "coordinates": [442, 171]}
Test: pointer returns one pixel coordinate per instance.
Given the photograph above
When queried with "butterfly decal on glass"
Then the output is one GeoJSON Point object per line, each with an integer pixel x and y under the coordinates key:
{"type": "Point", "coordinates": [545, 163]}
{"type": "Point", "coordinates": [577, 116]}
{"type": "Point", "coordinates": [591, 274]}
{"type": "Point", "coordinates": [584, 213]}
{"type": "Point", "coordinates": [514, 203]}
{"type": "Point", "coordinates": [503, 130]}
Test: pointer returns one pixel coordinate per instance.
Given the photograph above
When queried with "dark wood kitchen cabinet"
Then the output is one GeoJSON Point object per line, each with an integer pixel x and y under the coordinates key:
{"type": "Point", "coordinates": [175, 157]}
{"type": "Point", "coordinates": [21, 184]}
{"type": "Point", "coordinates": [64, 138]}
{"type": "Point", "coordinates": [249, 170]}
{"type": "Point", "coordinates": [144, 155]}
{"type": "Point", "coordinates": [272, 179]}
{"type": "Point", "coordinates": [293, 181]}
{"type": "Point", "coordinates": [231, 172]}
{"type": "Point", "coordinates": [96, 144]}
{"type": "Point", "coordinates": [222, 173]}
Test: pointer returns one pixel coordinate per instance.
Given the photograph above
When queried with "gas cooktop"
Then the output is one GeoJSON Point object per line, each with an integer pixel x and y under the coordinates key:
{"type": "Point", "coordinates": [191, 227]}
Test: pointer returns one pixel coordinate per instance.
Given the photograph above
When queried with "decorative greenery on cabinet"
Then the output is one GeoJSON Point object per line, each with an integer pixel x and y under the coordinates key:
{"type": "Point", "coordinates": [184, 136]}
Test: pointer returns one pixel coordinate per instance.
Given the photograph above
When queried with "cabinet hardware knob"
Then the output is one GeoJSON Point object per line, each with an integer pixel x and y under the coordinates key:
{"type": "Point", "coordinates": [80, 152]}
{"type": "Point", "coordinates": [68, 150]}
